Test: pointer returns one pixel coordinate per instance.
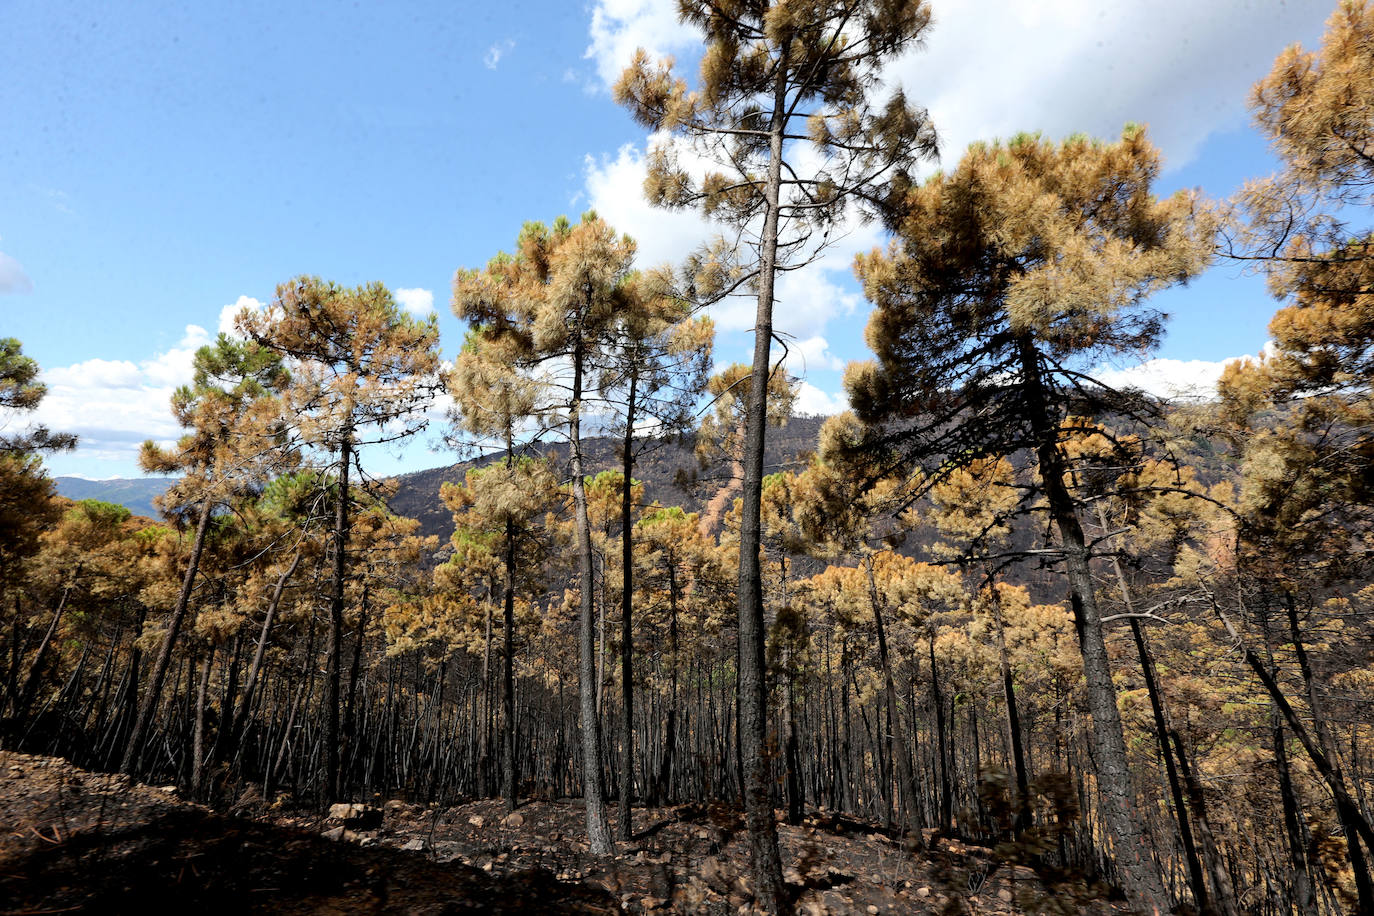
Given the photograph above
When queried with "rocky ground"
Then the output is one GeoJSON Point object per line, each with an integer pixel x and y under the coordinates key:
{"type": "Point", "coordinates": [75, 841]}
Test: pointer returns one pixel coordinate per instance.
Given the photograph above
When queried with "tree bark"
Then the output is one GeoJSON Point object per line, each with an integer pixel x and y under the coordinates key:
{"type": "Point", "coordinates": [1142, 882]}
{"type": "Point", "coordinates": [510, 773]}
{"type": "Point", "coordinates": [626, 613]}
{"type": "Point", "coordinates": [251, 684]}
{"type": "Point", "coordinates": [198, 741]}
{"type": "Point", "coordinates": [593, 789]}
{"type": "Point", "coordinates": [334, 638]}
{"type": "Point", "coordinates": [1020, 774]}
{"type": "Point", "coordinates": [1348, 810]}
{"type": "Point", "coordinates": [769, 891]}
{"type": "Point", "coordinates": [896, 730]}
{"type": "Point", "coordinates": [36, 670]}
{"type": "Point", "coordinates": [133, 747]}
{"type": "Point", "coordinates": [1197, 882]}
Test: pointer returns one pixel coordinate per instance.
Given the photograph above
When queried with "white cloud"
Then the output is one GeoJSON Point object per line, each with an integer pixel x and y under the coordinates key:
{"type": "Point", "coordinates": [993, 68]}
{"type": "Point", "coordinates": [1176, 379]}
{"type": "Point", "coordinates": [812, 354]}
{"type": "Point", "coordinates": [615, 189]}
{"type": "Point", "coordinates": [113, 405]}
{"type": "Point", "coordinates": [229, 312]}
{"type": "Point", "coordinates": [1063, 66]}
{"type": "Point", "coordinates": [496, 52]}
{"type": "Point", "coordinates": [12, 276]}
{"type": "Point", "coordinates": [418, 302]}
{"type": "Point", "coordinates": [620, 26]}
{"type": "Point", "coordinates": [806, 299]}
{"type": "Point", "coordinates": [812, 400]}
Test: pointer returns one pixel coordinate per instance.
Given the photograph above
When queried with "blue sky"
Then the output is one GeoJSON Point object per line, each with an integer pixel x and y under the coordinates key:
{"type": "Point", "coordinates": [163, 161]}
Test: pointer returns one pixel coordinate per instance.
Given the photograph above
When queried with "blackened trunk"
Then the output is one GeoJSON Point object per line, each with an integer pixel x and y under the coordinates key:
{"type": "Point", "coordinates": [626, 614]}
{"type": "Point", "coordinates": [509, 765]}
{"type": "Point", "coordinates": [769, 891]}
{"type": "Point", "coordinates": [665, 770]}
{"type": "Point", "coordinates": [896, 731]}
{"type": "Point", "coordinates": [593, 789]}
{"type": "Point", "coordinates": [36, 670]}
{"type": "Point", "coordinates": [334, 646]}
{"type": "Point", "coordinates": [1185, 831]}
{"type": "Point", "coordinates": [1304, 893]}
{"type": "Point", "coordinates": [198, 739]}
{"type": "Point", "coordinates": [254, 670]}
{"type": "Point", "coordinates": [1140, 875]}
{"type": "Point", "coordinates": [164, 656]}
{"type": "Point", "coordinates": [1346, 808]}
{"type": "Point", "coordinates": [1020, 775]}
{"type": "Point", "coordinates": [937, 699]}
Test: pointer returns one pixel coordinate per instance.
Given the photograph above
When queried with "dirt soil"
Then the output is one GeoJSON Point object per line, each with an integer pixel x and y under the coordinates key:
{"type": "Point", "coordinates": [74, 841]}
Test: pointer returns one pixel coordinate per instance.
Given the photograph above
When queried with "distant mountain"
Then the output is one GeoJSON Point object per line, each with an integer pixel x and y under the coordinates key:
{"type": "Point", "coordinates": [668, 470]}
{"type": "Point", "coordinates": [663, 467]}
{"type": "Point", "coordinates": [135, 494]}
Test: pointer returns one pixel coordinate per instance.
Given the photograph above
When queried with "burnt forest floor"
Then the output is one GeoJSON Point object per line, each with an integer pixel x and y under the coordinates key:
{"type": "Point", "coordinates": [74, 841]}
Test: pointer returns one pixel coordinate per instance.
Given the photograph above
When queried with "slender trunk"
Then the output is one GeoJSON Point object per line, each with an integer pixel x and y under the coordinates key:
{"type": "Point", "coordinates": [665, 770]}
{"type": "Point", "coordinates": [133, 748]}
{"type": "Point", "coordinates": [626, 613]}
{"type": "Point", "coordinates": [254, 670]}
{"type": "Point", "coordinates": [1185, 832]}
{"type": "Point", "coordinates": [1140, 874]}
{"type": "Point", "coordinates": [796, 798]}
{"type": "Point", "coordinates": [509, 774]}
{"type": "Point", "coordinates": [1305, 897]}
{"type": "Point", "coordinates": [769, 891]}
{"type": "Point", "coordinates": [1346, 807]}
{"type": "Point", "coordinates": [198, 741]}
{"type": "Point", "coordinates": [1020, 774]}
{"type": "Point", "coordinates": [937, 699]}
{"type": "Point", "coordinates": [334, 648]}
{"type": "Point", "coordinates": [896, 730]}
{"type": "Point", "coordinates": [35, 672]}
{"type": "Point", "coordinates": [598, 831]}
{"type": "Point", "coordinates": [1196, 881]}
{"type": "Point", "coordinates": [484, 766]}
{"type": "Point", "coordinates": [1349, 810]}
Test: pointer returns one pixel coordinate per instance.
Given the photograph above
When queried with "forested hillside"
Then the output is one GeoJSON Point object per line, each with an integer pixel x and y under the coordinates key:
{"type": "Point", "coordinates": [668, 470]}
{"type": "Point", "coordinates": [1000, 637]}
{"type": "Point", "coordinates": [135, 495]}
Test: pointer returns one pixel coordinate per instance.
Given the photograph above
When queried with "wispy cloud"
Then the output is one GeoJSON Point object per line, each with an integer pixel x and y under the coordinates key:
{"type": "Point", "coordinates": [496, 52]}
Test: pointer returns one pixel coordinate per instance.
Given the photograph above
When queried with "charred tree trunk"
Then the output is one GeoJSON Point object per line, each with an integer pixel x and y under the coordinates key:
{"type": "Point", "coordinates": [626, 613]}
{"type": "Point", "coordinates": [334, 637]}
{"type": "Point", "coordinates": [133, 748]}
{"type": "Point", "coordinates": [756, 759]}
{"type": "Point", "coordinates": [1140, 874]}
{"type": "Point", "coordinates": [593, 789]}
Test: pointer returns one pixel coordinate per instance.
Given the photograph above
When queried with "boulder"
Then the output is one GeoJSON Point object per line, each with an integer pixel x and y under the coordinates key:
{"type": "Point", "coordinates": [359, 817]}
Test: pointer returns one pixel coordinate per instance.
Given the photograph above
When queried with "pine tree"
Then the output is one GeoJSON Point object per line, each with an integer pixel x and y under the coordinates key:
{"type": "Point", "coordinates": [780, 83]}
{"type": "Point", "coordinates": [493, 399]}
{"type": "Point", "coordinates": [1009, 274]}
{"type": "Point", "coordinates": [230, 411]}
{"type": "Point", "coordinates": [26, 492]}
{"type": "Point", "coordinates": [1302, 225]}
{"type": "Point", "coordinates": [552, 306]}
{"type": "Point", "coordinates": [358, 361]}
